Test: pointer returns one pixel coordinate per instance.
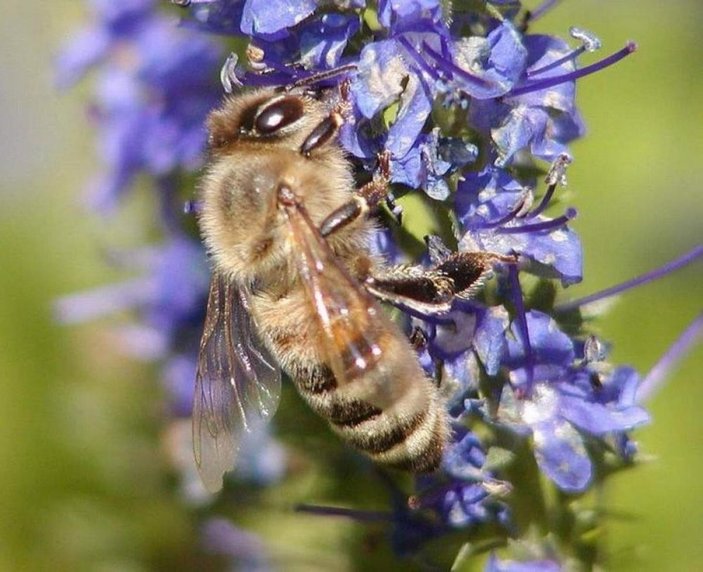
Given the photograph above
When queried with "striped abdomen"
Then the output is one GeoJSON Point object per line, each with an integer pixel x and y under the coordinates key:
{"type": "Point", "coordinates": [409, 433]}
{"type": "Point", "coordinates": [392, 412]}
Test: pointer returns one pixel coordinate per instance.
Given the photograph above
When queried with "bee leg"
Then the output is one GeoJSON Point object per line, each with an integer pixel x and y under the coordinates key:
{"type": "Point", "coordinates": [366, 198]}
{"type": "Point", "coordinates": [343, 216]}
{"type": "Point", "coordinates": [418, 338]}
{"type": "Point", "coordinates": [433, 290]}
{"type": "Point", "coordinates": [322, 134]}
{"type": "Point", "coordinates": [469, 270]}
{"type": "Point", "coordinates": [327, 129]}
{"type": "Point", "coordinates": [412, 287]}
{"type": "Point", "coordinates": [419, 342]}
{"type": "Point", "coordinates": [378, 188]}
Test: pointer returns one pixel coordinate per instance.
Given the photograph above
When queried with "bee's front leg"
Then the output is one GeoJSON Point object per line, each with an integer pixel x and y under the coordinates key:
{"type": "Point", "coordinates": [327, 129]}
{"type": "Point", "coordinates": [323, 133]}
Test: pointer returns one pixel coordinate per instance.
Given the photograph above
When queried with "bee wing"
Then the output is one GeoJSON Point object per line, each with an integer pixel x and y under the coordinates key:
{"type": "Point", "coordinates": [352, 325]}
{"type": "Point", "coordinates": [237, 382]}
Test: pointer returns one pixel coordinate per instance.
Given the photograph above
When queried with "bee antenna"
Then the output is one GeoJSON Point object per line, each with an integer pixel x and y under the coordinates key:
{"type": "Point", "coordinates": [321, 76]}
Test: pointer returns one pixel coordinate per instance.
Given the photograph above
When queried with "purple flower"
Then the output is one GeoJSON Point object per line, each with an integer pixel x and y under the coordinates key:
{"type": "Point", "coordinates": [431, 161]}
{"type": "Point", "coordinates": [404, 15]}
{"type": "Point", "coordinates": [169, 297]}
{"type": "Point", "coordinates": [485, 68]}
{"type": "Point", "coordinates": [494, 211]}
{"type": "Point", "coordinates": [323, 40]}
{"type": "Point", "coordinates": [387, 77]}
{"type": "Point", "coordinates": [245, 551]}
{"type": "Point", "coordinates": [495, 565]}
{"type": "Point", "coordinates": [271, 18]}
{"type": "Point", "coordinates": [543, 120]}
{"type": "Point", "coordinates": [467, 339]}
{"type": "Point", "coordinates": [155, 86]}
{"type": "Point", "coordinates": [563, 407]}
{"type": "Point", "coordinates": [465, 496]}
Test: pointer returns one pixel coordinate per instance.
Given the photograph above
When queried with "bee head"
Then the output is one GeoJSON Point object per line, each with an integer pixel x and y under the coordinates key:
{"type": "Point", "coordinates": [257, 143]}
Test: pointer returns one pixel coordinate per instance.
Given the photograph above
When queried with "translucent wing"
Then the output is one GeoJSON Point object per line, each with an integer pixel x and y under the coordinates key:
{"type": "Point", "coordinates": [354, 329]}
{"type": "Point", "coordinates": [237, 382]}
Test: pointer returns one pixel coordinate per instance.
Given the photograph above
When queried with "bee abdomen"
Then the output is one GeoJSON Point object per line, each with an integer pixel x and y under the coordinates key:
{"type": "Point", "coordinates": [382, 433]}
{"type": "Point", "coordinates": [415, 442]}
{"type": "Point", "coordinates": [409, 433]}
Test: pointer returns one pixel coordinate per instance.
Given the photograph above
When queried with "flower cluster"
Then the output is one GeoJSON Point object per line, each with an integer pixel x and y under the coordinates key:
{"type": "Point", "coordinates": [471, 107]}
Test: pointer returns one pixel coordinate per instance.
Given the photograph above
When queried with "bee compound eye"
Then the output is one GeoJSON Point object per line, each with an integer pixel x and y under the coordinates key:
{"type": "Point", "coordinates": [278, 114]}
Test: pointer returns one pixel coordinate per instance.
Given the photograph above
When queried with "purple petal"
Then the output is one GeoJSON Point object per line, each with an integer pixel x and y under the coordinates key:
{"type": "Point", "coordinates": [498, 60]}
{"type": "Point", "coordinates": [561, 455]}
{"type": "Point", "coordinates": [486, 196]}
{"type": "Point", "coordinates": [464, 458]}
{"type": "Point", "coordinates": [271, 18]}
{"type": "Point", "coordinates": [522, 125]}
{"type": "Point", "coordinates": [490, 340]}
{"type": "Point", "coordinates": [549, 343]}
{"type": "Point", "coordinates": [542, 51]}
{"type": "Point", "coordinates": [408, 14]}
{"type": "Point", "coordinates": [415, 107]}
{"type": "Point", "coordinates": [380, 74]}
{"type": "Point", "coordinates": [323, 41]}
{"type": "Point", "coordinates": [598, 419]}
{"type": "Point", "coordinates": [84, 51]}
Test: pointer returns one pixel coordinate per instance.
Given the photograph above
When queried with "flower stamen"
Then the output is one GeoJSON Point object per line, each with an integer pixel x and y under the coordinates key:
{"type": "Point", "coordinates": [358, 515]}
{"type": "Point", "coordinates": [513, 214]}
{"type": "Point", "coordinates": [521, 317]}
{"type": "Point", "coordinates": [417, 58]}
{"type": "Point", "coordinates": [650, 276]}
{"type": "Point", "coordinates": [541, 10]}
{"type": "Point", "coordinates": [676, 352]}
{"type": "Point", "coordinates": [541, 226]}
{"type": "Point", "coordinates": [452, 69]}
{"type": "Point", "coordinates": [555, 176]}
{"type": "Point", "coordinates": [539, 85]}
{"type": "Point", "coordinates": [590, 43]}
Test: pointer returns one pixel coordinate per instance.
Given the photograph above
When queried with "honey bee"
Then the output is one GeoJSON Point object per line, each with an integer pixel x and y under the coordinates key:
{"type": "Point", "coordinates": [294, 285]}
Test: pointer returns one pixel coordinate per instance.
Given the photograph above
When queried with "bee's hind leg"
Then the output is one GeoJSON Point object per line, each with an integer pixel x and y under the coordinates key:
{"type": "Point", "coordinates": [433, 290]}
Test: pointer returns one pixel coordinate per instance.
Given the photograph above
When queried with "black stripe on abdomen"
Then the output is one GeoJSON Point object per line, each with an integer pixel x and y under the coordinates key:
{"type": "Point", "coordinates": [374, 440]}
{"type": "Point", "coordinates": [348, 414]}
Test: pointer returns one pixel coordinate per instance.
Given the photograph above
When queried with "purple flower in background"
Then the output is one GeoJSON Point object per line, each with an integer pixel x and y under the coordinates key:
{"type": "Point", "coordinates": [155, 86]}
{"type": "Point", "coordinates": [245, 551]}
{"type": "Point", "coordinates": [495, 565]}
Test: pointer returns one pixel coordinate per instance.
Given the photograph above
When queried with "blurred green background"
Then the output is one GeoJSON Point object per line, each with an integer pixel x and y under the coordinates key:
{"type": "Point", "coordinates": [83, 474]}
